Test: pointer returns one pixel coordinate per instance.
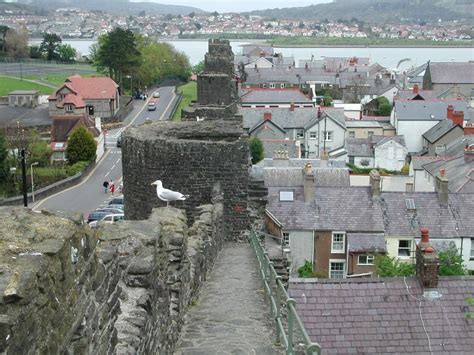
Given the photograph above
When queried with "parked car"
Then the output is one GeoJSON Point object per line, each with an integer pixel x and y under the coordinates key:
{"type": "Point", "coordinates": [156, 94]}
{"type": "Point", "coordinates": [108, 219]}
{"type": "Point", "coordinates": [114, 205]}
{"type": "Point", "coordinates": [119, 141]}
{"type": "Point", "coordinates": [96, 215]}
{"type": "Point", "coordinates": [116, 201]}
{"type": "Point", "coordinates": [110, 210]}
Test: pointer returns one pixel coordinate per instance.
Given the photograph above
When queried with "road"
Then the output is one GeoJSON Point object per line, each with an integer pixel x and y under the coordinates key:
{"type": "Point", "coordinates": [89, 194]}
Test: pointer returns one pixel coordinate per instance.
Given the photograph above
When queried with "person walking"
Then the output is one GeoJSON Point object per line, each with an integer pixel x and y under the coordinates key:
{"type": "Point", "coordinates": [106, 186]}
{"type": "Point", "coordinates": [112, 187]}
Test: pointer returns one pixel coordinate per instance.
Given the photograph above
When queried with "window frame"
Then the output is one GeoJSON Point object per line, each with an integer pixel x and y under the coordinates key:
{"type": "Point", "coordinates": [472, 249]}
{"type": "Point", "coordinates": [285, 241]}
{"type": "Point", "coordinates": [409, 247]}
{"type": "Point", "coordinates": [286, 199]}
{"type": "Point", "coordinates": [328, 136]}
{"type": "Point", "coordinates": [311, 133]}
{"type": "Point", "coordinates": [343, 241]}
{"type": "Point", "coordinates": [298, 135]}
{"type": "Point", "coordinates": [337, 261]}
{"type": "Point", "coordinates": [368, 256]}
{"type": "Point", "coordinates": [69, 108]}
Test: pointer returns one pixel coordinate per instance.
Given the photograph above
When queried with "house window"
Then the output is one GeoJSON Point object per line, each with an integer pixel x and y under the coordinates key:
{"type": "Point", "coordinates": [300, 133]}
{"type": "Point", "coordinates": [286, 238]}
{"type": "Point", "coordinates": [370, 133]}
{"type": "Point", "coordinates": [313, 135]}
{"type": "Point", "coordinates": [337, 242]}
{"type": "Point", "coordinates": [282, 85]}
{"type": "Point", "coordinates": [472, 248]}
{"type": "Point", "coordinates": [272, 86]}
{"type": "Point", "coordinates": [336, 270]}
{"type": "Point", "coordinates": [404, 248]}
{"type": "Point", "coordinates": [69, 108]}
{"type": "Point", "coordinates": [365, 260]}
{"type": "Point", "coordinates": [352, 134]}
{"type": "Point", "coordinates": [328, 136]}
{"type": "Point", "coordinates": [286, 196]}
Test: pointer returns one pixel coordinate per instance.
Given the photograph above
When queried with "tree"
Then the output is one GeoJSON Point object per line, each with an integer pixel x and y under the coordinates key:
{"type": "Point", "coordinates": [386, 266]}
{"type": "Point", "coordinates": [256, 149]}
{"type": "Point", "coordinates": [451, 263]}
{"type": "Point", "coordinates": [327, 100]}
{"type": "Point", "coordinates": [67, 53]}
{"type": "Point", "coordinates": [81, 146]}
{"type": "Point", "coordinates": [35, 52]}
{"type": "Point", "coordinates": [3, 34]}
{"type": "Point", "coordinates": [50, 46]}
{"type": "Point", "coordinates": [385, 110]}
{"type": "Point", "coordinates": [198, 68]}
{"type": "Point", "coordinates": [38, 149]}
{"type": "Point", "coordinates": [16, 43]}
{"type": "Point", "coordinates": [117, 53]}
{"type": "Point", "coordinates": [359, 88]}
{"type": "Point", "coordinates": [4, 163]}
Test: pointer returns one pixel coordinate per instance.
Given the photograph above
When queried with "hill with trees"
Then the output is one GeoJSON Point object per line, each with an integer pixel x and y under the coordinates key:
{"type": "Point", "coordinates": [114, 6]}
{"type": "Point", "coordinates": [379, 11]}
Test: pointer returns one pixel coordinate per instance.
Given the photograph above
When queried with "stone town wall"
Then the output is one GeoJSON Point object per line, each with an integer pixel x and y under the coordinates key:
{"type": "Point", "coordinates": [190, 157]}
{"type": "Point", "coordinates": [66, 288]}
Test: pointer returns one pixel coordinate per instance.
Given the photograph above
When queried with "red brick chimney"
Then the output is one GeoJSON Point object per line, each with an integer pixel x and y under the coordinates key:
{"type": "Point", "coordinates": [458, 118]}
{"type": "Point", "coordinates": [450, 112]}
{"type": "Point", "coordinates": [267, 116]}
{"type": "Point", "coordinates": [415, 89]}
{"type": "Point", "coordinates": [427, 262]}
{"type": "Point", "coordinates": [469, 129]}
{"type": "Point", "coordinates": [292, 106]}
{"type": "Point", "coordinates": [469, 153]}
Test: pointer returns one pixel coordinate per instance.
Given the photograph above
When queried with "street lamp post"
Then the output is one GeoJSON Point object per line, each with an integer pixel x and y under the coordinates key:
{"type": "Point", "coordinates": [131, 83]}
{"type": "Point", "coordinates": [32, 181]}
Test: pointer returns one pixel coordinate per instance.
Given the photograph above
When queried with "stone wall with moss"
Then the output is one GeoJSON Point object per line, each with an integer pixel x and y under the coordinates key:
{"type": "Point", "coordinates": [125, 288]}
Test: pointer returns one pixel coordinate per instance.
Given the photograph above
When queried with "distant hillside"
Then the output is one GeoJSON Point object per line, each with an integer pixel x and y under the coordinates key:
{"type": "Point", "coordinates": [115, 6]}
{"type": "Point", "coordinates": [379, 11]}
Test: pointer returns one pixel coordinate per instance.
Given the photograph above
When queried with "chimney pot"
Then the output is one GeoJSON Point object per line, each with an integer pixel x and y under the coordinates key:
{"type": "Point", "coordinates": [442, 172]}
{"type": "Point", "coordinates": [267, 116]}
{"type": "Point", "coordinates": [415, 89]}
{"type": "Point", "coordinates": [427, 262]}
{"type": "Point", "coordinates": [425, 235]}
{"type": "Point", "coordinates": [450, 111]}
{"type": "Point", "coordinates": [458, 118]}
{"type": "Point", "coordinates": [469, 153]}
{"type": "Point", "coordinates": [292, 106]}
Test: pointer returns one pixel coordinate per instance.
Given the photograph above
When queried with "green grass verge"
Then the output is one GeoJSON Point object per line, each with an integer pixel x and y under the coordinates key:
{"type": "Point", "coordinates": [56, 79]}
{"type": "Point", "coordinates": [10, 84]}
{"type": "Point", "coordinates": [189, 92]}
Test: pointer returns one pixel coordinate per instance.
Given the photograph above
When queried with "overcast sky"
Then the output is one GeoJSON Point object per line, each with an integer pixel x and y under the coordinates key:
{"type": "Point", "coordinates": [238, 5]}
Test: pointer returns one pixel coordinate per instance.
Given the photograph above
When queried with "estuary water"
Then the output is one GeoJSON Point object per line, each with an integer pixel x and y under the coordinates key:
{"type": "Point", "coordinates": [387, 57]}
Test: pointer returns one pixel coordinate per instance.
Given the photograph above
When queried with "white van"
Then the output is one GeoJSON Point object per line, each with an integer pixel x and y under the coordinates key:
{"type": "Point", "coordinates": [151, 106]}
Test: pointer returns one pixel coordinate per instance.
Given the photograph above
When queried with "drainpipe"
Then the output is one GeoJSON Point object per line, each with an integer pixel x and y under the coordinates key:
{"type": "Point", "coordinates": [347, 258]}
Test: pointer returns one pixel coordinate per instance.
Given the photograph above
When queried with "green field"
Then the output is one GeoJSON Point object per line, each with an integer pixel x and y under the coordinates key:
{"type": "Point", "coordinates": [189, 92]}
{"type": "Point", "coordinates": [10, 84]}
{"type": "Point", "coordinates": [55, 79]}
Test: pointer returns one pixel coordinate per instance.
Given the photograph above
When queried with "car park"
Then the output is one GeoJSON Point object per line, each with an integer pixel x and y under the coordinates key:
{"type": "Point", "coordinates": [116, 201]}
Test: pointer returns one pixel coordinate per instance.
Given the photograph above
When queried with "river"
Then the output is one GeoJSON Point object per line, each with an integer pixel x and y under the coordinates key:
{"type": "Point", "coordinates": [387, 57]}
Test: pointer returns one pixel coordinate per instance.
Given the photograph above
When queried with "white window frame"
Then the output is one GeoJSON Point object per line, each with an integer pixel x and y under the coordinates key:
{"type": "Point", "coordinates": [343, 241]}
{"type": "Point", "coordinates": [285, 238]}
{"type": "Point", "coordinates": [337, 261]}
{"type": "Point", "coordinates": [285, 195]}
{"type": "Point", "coordinates": [282, 85]}
{"type": "Point", "coordinates": [328, 136]}
{"type": "Point", "coordinates": [300, 133]}
{"type": "Point", "coordinates": [405, 248]}
{"type": "Point", "coordinates": [68, 108]}
{"type": "Point", "coordinates": [313, 135]}
{"type": "Point", "coordinates": [272, 85]}
{"type": "Point", "coordinates": [369, 259]}
{"type": "Point", "coordinates": [472, 249]}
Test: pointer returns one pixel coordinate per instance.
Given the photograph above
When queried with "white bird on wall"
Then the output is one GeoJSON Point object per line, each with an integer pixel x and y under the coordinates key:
{"type": "Point", "coordinates": [168, 195]}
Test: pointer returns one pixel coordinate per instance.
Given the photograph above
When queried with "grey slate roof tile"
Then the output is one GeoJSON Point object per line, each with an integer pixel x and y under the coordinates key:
{"type": "Point", "coordinates": [382, 316]}
{"type": "Point", "coordinates": [459, 172]}
{"type": "Point", "coordinates": [427, 110]}
{"type": "Point", "coordinates": [438, 130]}
{"type": "Point", "coordinates": [456, 72]}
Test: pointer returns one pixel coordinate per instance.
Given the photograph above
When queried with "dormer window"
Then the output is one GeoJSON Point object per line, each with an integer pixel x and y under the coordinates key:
{"type": "Point", "coordinates": [69, 108]}
{"type": "Point", "coordinates": [286, 195]}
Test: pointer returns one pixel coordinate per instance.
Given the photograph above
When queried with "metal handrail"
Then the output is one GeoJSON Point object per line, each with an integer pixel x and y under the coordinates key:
{"type": "Point", "coordinates": [276, 295]}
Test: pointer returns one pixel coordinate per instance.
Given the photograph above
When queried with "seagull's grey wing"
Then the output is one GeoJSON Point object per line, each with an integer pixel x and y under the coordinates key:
{"type": "Point", "coordinates": [169, 195]}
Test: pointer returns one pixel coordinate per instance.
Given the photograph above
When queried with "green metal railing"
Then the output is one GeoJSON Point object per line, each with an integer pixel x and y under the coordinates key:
{"type": "Point", "coordinates": [277, 297]}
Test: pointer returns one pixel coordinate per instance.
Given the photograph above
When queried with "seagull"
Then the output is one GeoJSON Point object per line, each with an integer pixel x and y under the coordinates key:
{"type": "Point", "coordinates": [168, 195]}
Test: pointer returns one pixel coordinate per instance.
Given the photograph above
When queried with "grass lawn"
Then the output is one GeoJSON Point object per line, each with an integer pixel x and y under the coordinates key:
{"type": "Point", "coordinates": [189, 92]}
{"type": "Point", "coordinates": [56, 79]}
{"type": "Point", "coordinates": [10, 84]}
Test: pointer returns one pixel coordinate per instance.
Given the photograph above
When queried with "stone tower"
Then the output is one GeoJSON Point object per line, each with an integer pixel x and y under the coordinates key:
{"type": "Point", "coordinates": [216, 86]}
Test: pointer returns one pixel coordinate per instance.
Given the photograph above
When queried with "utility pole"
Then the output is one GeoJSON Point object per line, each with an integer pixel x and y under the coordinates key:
{"type": "Point", "coordinates": [23, 176]}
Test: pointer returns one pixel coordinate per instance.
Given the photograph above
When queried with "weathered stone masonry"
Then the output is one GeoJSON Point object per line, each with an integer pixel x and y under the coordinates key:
{"type": "Point", "coordinates": [193, 158]}
{"type": "Point", "coordinates": [122, 289]}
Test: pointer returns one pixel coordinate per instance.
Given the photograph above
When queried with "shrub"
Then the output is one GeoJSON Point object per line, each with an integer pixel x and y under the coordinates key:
{"type": "Point", "coordinates": [451, 263]}
{"type": "Point", "coordinates": [387, 266]}
{"type": "Point", "coordinates": [306, 270]}
{"type": "Point", "coordinates": [385, 110]}
{"type": "Point", "coordinates": [405, 170]}
{"type": "Point", "coordinates": [256, 149]}
{"type": "Point", "coordinates": [81, 146]}
{"type": "Point", "coordinates": [327, 100]}
{"type": "Point", "coordinates": [76, 168]}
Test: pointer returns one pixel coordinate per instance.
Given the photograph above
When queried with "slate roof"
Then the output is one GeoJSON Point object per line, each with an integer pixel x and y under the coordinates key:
{"type": "Point", "coordinates": [445, 222]}
{"type": "Point", "coordinates": [247, 48]}
{"type": "Point", "coordinates": [334, 208]}
{"type": "Point", "coordinates": [386, 316]}
{"type": "Point", "coordinates": [381, 141]}
{"type": "Point", "coordinates": [419, 161]}
{"type": "Point", "coordinates": [451, 72]}
{"type": "Point", "coordinates": [28, 117]}
{"type": "Point", "coordinates": [424, 94]}
{"type": "Point", "coordinates": [273, 96]}
{"type": "Point", "coordinates": [366, 242]}
{"type": "Point", "coordinates": [359, 147]}
{"type": "Point", "coordinates": [420, 110]}
{"type": "Point", "coordinates": [362, 124]}
{"type": "Point", "coordinates": [293, 177]}
{"type": "Point", "coordinates": [281, 116]}
{"type": "Point", "coordinates": [459, 172]}
{"type": "Point", "coordinates": [439, 130]}
{"type": "Point", "coordinates": [272, 145]}
{"type": "Point", "coordinates": [24, 92]}
{"type": "Point", "coordinates": [295, 76]}
{"type": "Point", "coordinates": [456, 147]}
{"type": "Point", "coordinates": [63, 126]}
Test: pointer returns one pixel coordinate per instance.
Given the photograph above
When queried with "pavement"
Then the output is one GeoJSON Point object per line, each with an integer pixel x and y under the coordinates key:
{"type": "Point", "coordinates": [89, 194]}
{"type": "Point", "coordinates": [231, 316]}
